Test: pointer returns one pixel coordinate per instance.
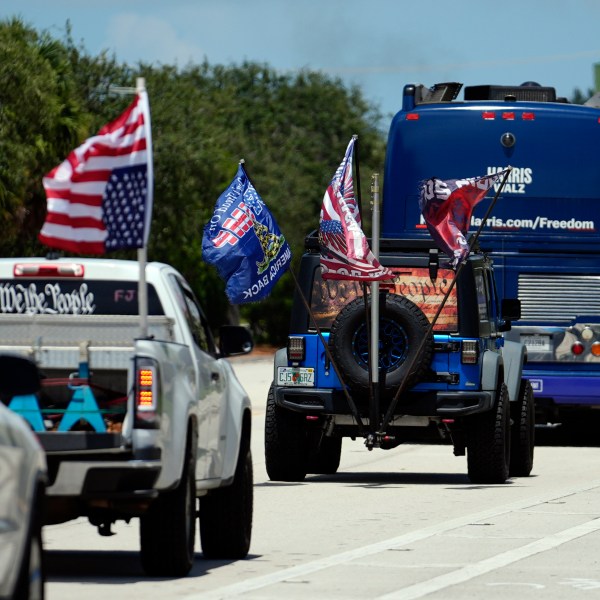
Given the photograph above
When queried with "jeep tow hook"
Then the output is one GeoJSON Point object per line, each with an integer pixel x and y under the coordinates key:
{"type": "Point", "coordinates": [380, 440]}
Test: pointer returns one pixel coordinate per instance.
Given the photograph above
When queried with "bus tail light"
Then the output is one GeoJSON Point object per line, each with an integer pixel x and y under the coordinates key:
{"type": "Point", "coordinates": [595, 349]}
{"type": "Point", "coordinates": [577, 348]}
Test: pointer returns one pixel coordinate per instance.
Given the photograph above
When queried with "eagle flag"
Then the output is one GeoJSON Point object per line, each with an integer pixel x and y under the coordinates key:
{"type": "Point", "coordinates": [244, 243]}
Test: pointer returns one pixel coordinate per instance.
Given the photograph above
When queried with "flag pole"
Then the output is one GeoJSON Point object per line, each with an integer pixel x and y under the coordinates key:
{"type": "Point", "coordinates": [374, 353]}
{"type": "Point", "coordinates": [357, 171]}
{"type": "Point", "coordinates": [142, 254]}
{"type": "Point", "coordinates": [392, 407]}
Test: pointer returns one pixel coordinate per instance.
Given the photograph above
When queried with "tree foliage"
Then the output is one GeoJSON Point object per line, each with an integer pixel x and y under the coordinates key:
{"type": "Point", "coordinates": [40, 119]}
{"type": "Point", "coordinates": [291, 130]}
{"type": "Point", "coordinates": [580, 97]}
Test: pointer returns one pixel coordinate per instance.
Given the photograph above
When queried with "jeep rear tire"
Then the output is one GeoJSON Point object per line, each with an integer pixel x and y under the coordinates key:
{"type": "Point", "coordinates": [324, 453]}
{"type": "Point", "coordinates": [523, 431]}
{"type": "Point", "coordinates": [402, 327]}
{"type": "Point", "coordinates": [488, 441]}
{"type": "Point", "coordinates": [286, 446]}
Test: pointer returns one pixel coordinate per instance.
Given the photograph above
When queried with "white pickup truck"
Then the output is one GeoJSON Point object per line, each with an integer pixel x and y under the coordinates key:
{"type": "Point", "coordinates": [154, 426]}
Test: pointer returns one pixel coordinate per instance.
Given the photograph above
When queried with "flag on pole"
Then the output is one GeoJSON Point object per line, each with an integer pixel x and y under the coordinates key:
{"type": "Point", "coordinates": [100, 198]}
{"type": "Point", "coordinates": [447, 205]}
{"type": "Point", "coordinates": [345, 253]}
{"type": "Point", "coordinates": [242, 240]}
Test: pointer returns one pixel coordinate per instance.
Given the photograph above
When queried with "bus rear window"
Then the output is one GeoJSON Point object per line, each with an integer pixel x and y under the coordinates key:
{"type": "Point", "coordinates": [329, 297]}
{"type": "Point", "coordinates": [69, 297]}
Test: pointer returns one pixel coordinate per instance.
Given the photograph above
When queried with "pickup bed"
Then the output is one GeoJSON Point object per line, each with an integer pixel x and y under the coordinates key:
{"type": "Point", "coordinates": [136, 422]}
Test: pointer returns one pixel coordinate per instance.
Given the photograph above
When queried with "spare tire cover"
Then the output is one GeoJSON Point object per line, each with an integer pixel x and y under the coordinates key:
{"type": "Point", "coordinates": [402, 326]}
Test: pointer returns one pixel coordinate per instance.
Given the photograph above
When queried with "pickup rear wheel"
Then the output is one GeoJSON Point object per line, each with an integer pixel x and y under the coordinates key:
{"type": "Point", "coordinates": [488, 441]}
{"type": "Point", "coordinates": [226, 513]}
{"type": "Point", "coordinates": [402, 353]}
{"type": "Point", "coordinates": [286, 446]}
{"type": "Point", "coordinates": [523, 431]}
{"type": "Point", "coordinates": [168, 529]}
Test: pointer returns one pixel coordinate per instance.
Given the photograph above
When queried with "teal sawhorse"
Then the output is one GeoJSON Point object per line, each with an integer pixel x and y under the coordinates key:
{"type": "Point", "coordinates": [83, 405]}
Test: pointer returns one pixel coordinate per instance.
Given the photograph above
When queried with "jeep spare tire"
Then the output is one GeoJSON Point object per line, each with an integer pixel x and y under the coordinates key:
{"type": "Point", "coordinates": [402, 327]}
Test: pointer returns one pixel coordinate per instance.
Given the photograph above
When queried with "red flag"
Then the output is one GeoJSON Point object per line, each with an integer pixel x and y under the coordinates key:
{"type": "Point", "coordinates": [100, 198]}
{"type": "Point", "coordinates": [447, 206]}
{"type": "Point", "coordinates": [345, 253]}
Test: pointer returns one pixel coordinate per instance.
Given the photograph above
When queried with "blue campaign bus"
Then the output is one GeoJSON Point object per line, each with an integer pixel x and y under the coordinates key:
{"type": "Point", "coordinates": [544, 230]}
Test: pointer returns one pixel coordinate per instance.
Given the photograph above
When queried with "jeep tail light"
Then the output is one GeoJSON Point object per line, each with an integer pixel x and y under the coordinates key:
{"type": "Point", "coordinates": [577, 348]}
{"type": "Point", "coordinates": [469, 352]}
{"type": "Point", "coordinates": [295, 348]}
{"type": "Point", "coordinates": [146, 393]}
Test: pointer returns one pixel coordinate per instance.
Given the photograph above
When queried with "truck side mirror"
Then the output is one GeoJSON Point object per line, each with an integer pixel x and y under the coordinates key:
{"type": "Point", "coordinates": [234, 339]}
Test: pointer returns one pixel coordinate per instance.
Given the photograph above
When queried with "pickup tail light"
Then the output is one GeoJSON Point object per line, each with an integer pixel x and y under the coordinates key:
{"type": "Point", "coordinates": [469, 352]}
{"type": "Point", "coordinates": [48, 270]}
{"type": "Point", "coordinates": [296, 349]}
{"type": "Point", "coordinates": [147, 393]}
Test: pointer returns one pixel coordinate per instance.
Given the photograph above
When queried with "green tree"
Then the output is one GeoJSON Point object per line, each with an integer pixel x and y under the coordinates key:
{"type": "Point", "coordinates": [40, 120]}
{"type": "Point", "coordinates": [291, 129]}
{"type": "Point", "coordinates": [580, 97]}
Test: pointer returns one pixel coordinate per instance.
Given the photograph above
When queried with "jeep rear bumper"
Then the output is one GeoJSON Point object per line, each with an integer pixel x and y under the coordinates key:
{"type": "Point", "coordinates": [437, 403]}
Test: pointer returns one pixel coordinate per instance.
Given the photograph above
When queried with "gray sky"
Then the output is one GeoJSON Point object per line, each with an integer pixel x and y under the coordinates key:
{"type": "Point", "coordinates": [380, 45]}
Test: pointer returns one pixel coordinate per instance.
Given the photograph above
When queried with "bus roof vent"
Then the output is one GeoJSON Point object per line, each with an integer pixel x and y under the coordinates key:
{"type": "Point", "coordinates": [439, 92]}
{"type": "Point", "coordinates": [533, 93]}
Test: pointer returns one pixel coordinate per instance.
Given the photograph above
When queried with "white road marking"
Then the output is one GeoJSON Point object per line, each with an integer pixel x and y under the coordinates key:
{"type": "Point", "coordinates": [494, 562]}
{"type": "Point", "coordinates": [263, 581]}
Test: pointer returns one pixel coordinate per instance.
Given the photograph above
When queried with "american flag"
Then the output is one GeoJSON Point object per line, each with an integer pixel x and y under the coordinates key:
{"type": "Point", "coordinates": [447, 205]}
{"type": "Point", "coordinates": [345, 253]}
{"type": "Point", "coordinates": [100, 198]}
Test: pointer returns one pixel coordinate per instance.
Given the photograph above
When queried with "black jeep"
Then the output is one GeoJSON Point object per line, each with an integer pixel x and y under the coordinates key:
{"type": "Point", "coordinates": [458, 382]}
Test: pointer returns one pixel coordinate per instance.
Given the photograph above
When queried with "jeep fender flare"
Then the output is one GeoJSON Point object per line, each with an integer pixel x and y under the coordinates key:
{"type": "Point", "coordinates": [491, 369]}
{"type": "Point", "coordinates": [279, 360]}
{"type": "Point", "coordinates": [514, 356]}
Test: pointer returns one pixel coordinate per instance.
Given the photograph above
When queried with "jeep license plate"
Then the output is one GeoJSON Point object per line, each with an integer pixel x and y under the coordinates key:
{"type": "Point", "coordinates": [300, 376]}
{"type": "Point", "coordinates": [536, 343]}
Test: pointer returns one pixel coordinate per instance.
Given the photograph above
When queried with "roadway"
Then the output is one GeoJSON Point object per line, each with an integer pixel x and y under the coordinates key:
{"type": "Point", "coordinates": [399, 524]}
